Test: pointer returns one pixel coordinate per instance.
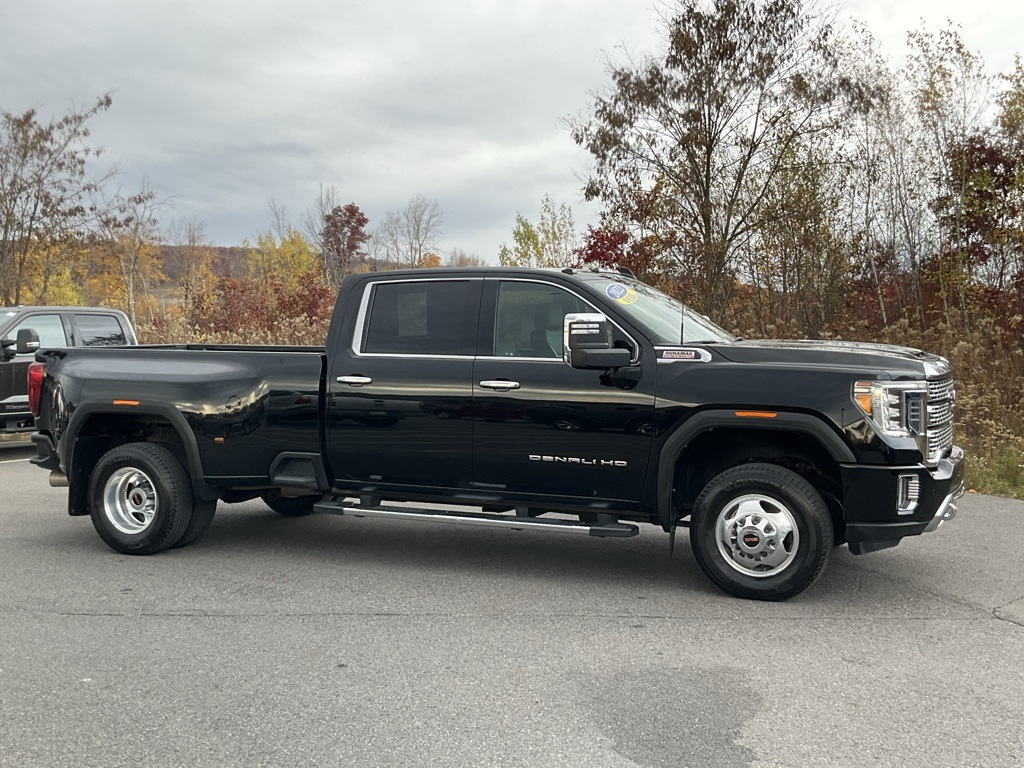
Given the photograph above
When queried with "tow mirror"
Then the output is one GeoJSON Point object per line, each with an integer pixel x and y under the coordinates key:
{"type": "Point", "coordinates": [28, 341]}
{"type": "Point", "coordinates": [587, 343]}
{"type": "Point", "coordinates": [7, 350]}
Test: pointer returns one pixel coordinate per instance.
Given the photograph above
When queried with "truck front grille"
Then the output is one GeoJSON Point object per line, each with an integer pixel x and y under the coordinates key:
{"type": "Point", "coordinates": [941, 400]}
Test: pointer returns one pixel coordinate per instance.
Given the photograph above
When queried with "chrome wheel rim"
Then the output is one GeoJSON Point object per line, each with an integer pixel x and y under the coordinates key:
{"type": "Point", "coordinates": [757, 535]}
{"type": "Point", "coordinates": [129, 500]}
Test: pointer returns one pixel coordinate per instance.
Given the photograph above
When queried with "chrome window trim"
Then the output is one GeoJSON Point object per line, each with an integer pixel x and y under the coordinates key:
{"type": "Point", "coordinates": [505, 279]}
{"type": "Point", "coordinates": [364, 308]}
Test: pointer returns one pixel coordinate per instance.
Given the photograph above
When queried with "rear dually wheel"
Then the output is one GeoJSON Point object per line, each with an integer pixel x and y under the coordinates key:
{"type": "Point", "coordinates": [140, 499]}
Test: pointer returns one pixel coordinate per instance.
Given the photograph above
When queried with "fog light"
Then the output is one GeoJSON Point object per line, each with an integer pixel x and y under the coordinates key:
{"type": "Point", "coordinates": [909, 493]}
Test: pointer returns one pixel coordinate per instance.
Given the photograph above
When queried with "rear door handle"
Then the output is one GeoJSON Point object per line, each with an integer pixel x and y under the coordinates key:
{"type": "Point", "coordinates": [354, 381]}
{"type": "Point", "coordinates": [502, 385]}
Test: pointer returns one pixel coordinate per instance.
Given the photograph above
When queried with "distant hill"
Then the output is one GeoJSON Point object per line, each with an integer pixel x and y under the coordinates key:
{"type": "Point", "coordinates": [228, 261]}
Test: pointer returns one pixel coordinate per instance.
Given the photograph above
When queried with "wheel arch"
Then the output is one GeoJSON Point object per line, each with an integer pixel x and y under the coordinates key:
{"type": "Point", "coordinates": [713, 441]}
{"type": "Point", "coordinates": [96, 428]}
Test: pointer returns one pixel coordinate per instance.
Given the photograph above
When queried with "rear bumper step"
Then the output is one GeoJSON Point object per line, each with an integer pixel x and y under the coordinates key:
{"type": "Point", "coordinates": [334, 507]}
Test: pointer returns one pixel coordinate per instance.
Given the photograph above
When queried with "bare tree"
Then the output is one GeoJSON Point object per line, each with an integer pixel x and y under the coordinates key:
{"type": "Point", "coordinates": [457, 257]}
{"type": "Point", "coordinates": [410, 234]}
{"type": "Point", "coordinates": [193, 257]}
{"type": "Point", "coordinates": [951, 95]}
{"type": "Point", "coordinates": [312, 220]}
{"type": "Point", "coordinates": [130, 232]}
{"type": "Point", "coordinates": [279, 224]}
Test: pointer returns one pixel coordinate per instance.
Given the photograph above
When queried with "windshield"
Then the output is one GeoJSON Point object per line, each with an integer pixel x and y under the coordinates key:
{"type": "Point", "coordinates": [666, 319]}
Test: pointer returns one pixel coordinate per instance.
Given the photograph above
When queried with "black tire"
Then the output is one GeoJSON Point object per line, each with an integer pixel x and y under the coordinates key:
{"type": "Point", "coordinates": [761, 532]}
{"type": "Point", "coordinates": [202, 516]}
{"type": "Point", "coordinates": [140, 499]}
{"type": "Point", "coordinates": [290, 506]}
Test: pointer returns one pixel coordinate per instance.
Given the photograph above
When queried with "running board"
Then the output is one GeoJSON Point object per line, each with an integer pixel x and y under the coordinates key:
{"type": "Point", "coordinates": [478, 518]}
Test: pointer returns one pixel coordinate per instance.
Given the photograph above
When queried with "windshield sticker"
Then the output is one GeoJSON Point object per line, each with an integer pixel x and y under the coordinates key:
{"type": "Point", "coordinates": [621, 293]}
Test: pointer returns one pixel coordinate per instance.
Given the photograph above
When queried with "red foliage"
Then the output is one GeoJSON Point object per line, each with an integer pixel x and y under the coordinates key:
{"type": "Point", "coordinates": [235, 304]}
{"type": "Point", "coordinates": [614, 247]}
{"type": "Point", "coordinates": [344, 234]}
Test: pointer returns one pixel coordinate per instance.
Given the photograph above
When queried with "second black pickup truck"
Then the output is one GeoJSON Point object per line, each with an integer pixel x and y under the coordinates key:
{"type": "Point", "coordinates": [48, 327]}
{"type": "Point", "coordinates": [572, 401]}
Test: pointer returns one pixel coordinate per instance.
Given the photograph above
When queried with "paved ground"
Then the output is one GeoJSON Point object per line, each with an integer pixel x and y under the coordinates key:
{"type": "Point", "coordinates": [347, 642]}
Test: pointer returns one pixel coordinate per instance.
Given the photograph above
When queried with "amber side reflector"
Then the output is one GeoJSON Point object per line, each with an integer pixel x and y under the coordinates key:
{"type": "Point", "coordinates": [756, 414]}
{"type": "Point", "coordinates": [126, 402]}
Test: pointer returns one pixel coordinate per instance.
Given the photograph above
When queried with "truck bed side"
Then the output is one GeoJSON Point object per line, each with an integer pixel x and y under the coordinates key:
{"type": "Point", "coordinates": [239, 407]}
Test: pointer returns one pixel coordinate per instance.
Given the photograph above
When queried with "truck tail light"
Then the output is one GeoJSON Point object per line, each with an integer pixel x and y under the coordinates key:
{"type": "Point", "coordinates": [35, 387]}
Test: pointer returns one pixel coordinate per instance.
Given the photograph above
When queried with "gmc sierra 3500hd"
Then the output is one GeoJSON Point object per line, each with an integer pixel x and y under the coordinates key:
{"type": "Point", "coordinates": [519, 393]}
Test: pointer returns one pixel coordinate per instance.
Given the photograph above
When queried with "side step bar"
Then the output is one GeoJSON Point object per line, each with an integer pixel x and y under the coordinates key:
{"type": "Point", "coordinates": [336, 507]}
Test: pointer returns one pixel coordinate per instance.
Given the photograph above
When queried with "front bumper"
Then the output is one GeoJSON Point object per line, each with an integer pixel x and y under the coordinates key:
{"type": "Point", "coordinates": [872, 507]}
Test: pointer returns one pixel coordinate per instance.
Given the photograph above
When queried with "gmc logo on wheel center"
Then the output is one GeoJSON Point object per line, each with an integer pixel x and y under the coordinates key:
{"type": "Point", "coordinates": [578, 460]}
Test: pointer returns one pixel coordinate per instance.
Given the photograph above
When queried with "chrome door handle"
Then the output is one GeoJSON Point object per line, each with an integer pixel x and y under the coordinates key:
{"type": "Point", "coordinates": [502, 385]}
{"type": "Point", "coordinates": [354, 381]}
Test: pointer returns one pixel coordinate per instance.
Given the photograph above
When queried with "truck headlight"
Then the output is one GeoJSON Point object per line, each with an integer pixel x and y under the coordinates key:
{"type": "Point", "coordinates": [898, 409]}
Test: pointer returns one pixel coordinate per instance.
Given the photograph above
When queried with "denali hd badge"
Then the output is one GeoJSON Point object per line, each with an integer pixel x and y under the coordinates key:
{"type": "Point", "coordinates": [577, 460]}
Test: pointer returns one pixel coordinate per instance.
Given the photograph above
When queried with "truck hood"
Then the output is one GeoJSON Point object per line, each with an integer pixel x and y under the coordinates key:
{"type": "Point", "coordinates": [899, 361]}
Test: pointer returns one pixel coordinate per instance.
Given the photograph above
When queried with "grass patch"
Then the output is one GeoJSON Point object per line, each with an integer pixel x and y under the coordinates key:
{"type": "Point", "coordinates": [998, 473]}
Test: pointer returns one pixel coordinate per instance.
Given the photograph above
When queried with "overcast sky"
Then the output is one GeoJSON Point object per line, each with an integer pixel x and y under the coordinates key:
{"type": "Point", "coordinates": [224, 104]}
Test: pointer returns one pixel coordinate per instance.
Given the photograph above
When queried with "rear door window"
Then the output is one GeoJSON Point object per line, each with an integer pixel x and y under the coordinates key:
{"type": "Point", "coordinates": [429, 317]}
{"type": "Point", "coordinates": [98, 330]}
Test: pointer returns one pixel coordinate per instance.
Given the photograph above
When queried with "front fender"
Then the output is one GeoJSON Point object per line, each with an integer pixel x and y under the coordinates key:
{"type": "Point", "coordinates": [703, 421]}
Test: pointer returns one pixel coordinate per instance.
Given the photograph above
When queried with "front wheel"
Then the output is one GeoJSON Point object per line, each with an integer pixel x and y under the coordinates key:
{"type": "Point", "coordinates": [761, 531]}
{"type": "Point", "coordinates": [140, 499]}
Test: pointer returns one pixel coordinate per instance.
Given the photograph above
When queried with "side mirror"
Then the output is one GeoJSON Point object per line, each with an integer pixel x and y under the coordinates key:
{"type": "Point", "coordinates": [7, 350]}
{"type": "Point", "coordinates": [587, 343]}
{"type": "Point", "coordinates": [28, 341]}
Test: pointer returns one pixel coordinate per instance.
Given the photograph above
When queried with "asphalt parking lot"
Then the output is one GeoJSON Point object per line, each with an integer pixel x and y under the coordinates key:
{"type": "Point", "coordinates": [358, 642]}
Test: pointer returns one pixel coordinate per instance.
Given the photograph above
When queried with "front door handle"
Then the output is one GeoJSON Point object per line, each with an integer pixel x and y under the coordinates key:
{"type": "Point", "coordinates": [354, 381]}
{"type": "Point", "coordinates": [502, 385]}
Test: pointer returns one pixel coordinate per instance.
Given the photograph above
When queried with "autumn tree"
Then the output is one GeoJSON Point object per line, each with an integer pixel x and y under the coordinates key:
{"type": "Point", "coordinates": [343, 237]}
{"type": "Point", "coordinates": [548, 243]}
{"type": "Point", "coordinates": [46, 194]}
{"type": "Point", "coordinates": [796, 262]}
{"type": "Point", "coordinates": [286, 259]}
{"type": "Point", "coordinates": [312, 220]}
{"type": "Point", "coordinates": [686, 144]}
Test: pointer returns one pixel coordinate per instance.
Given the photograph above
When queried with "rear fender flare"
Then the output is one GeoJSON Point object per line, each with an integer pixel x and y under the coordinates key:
{"type": "Point", "coordinates": [82, 413]}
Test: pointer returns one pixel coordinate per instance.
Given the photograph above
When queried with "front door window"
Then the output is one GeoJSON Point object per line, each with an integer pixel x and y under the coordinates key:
{"type": "Point", "coordinates": [529, 319]}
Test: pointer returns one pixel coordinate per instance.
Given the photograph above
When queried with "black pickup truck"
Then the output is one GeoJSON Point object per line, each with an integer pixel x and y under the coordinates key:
{"type": "Point", "coordinates": [52, 327]}
{"type": "Point", "coordinates": [571, 401]}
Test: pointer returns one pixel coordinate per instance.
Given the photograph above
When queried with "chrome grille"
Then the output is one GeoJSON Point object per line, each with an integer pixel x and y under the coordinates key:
{"type": "Point", "coordinates": [940, 390]}
{"type": "Point", "coordinates": [941, 399]}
